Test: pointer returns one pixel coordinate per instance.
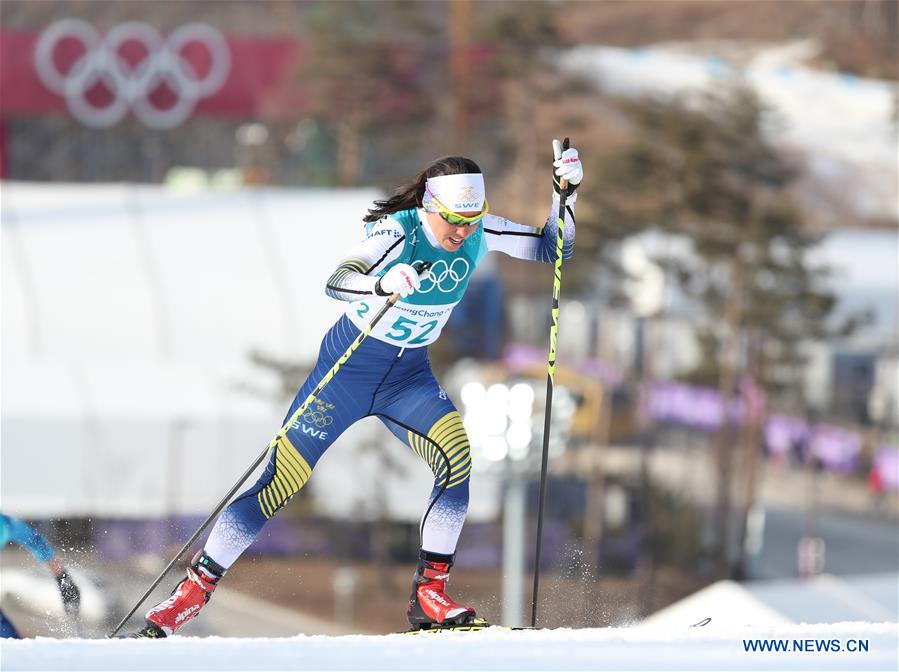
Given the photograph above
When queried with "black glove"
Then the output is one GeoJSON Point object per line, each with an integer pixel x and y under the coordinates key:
{"type": "Point", "coordinates": [71, 596]}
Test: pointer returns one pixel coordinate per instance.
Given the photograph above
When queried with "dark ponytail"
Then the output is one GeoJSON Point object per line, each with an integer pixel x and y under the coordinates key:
{"type": "Point", "coordinates": [409, 195]}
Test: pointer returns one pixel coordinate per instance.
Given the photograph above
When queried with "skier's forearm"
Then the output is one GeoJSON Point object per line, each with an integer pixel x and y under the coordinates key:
{"type": "Point", "coordinates": [349, 282]}
{"type": "Point", "coordinates": [357, 273]}
{"type": "Point", "coordinates": [551, 233]}
{"type": "Point", "coordinates": [526, 242]}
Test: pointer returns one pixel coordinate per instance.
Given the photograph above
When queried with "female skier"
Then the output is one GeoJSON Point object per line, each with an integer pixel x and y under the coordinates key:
{"type": "Point", "coordinates": [440, 218]}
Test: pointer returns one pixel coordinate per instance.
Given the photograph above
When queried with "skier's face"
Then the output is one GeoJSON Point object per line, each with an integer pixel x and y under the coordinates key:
{"type": "Point", "coordinates": [449, 236]}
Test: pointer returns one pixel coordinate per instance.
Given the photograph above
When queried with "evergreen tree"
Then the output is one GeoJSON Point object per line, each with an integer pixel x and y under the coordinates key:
{"type": "Point", "coordinates": [367, 71]}
{"type": "Point", "coordinates": [702, 167]}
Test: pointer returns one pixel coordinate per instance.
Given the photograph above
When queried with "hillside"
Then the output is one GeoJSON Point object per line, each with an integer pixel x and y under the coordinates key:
{"type": "Point", "coordinates": [857, 36]}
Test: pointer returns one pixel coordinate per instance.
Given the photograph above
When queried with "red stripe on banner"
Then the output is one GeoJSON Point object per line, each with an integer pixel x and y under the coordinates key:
{"type": "Point", "coordinates": [3, 173]}
{"type": "Point", "coordinates": [23, 92]}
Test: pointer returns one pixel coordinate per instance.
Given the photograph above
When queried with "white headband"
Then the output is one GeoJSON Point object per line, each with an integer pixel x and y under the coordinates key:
{"type": "Point", "coordinates": [463, 192]}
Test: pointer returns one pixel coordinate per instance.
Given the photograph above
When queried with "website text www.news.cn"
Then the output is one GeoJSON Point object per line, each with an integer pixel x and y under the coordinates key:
{"type": "Point", "coordinates": [806, 645]}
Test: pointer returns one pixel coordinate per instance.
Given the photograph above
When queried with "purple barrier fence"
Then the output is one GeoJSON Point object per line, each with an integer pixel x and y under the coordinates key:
{"type": "Point", "coordinates": [886, 467]}
{"type": "Point", "coordinates": [704, 409]}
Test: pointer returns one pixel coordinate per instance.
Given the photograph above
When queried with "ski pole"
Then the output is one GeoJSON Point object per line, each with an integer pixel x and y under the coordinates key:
{"type": "Point", "coordinates": [558, 147]}
{"type": "Point", "coordinates": [391, 301]}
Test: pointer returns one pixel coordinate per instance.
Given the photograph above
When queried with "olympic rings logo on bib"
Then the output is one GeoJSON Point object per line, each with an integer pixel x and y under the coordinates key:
{"type": "Point", "coordinates": [444, 277]}
{"type": "Point", "coordinates": [161, 64]}
{"type": "Point", "coordinates": [317, 419]}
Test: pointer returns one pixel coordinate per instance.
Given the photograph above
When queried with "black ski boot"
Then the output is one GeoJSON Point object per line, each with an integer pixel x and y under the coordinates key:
{"type": "Point", "coordinates": [149, 631]}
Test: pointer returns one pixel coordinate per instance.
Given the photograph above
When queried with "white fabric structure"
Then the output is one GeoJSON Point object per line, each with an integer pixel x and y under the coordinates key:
{"type": "Point", "coordinates": [128, 317]}
{"type": "Point", "coordinates": [821, 599]}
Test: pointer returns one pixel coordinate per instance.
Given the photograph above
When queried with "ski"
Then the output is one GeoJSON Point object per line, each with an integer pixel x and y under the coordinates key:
{"type": "Point", "coordinates": [478, 624]}
{"type": "Point", "coordinates": [471, 625]}
{"type": "Point", "coordinates": [149, 631]}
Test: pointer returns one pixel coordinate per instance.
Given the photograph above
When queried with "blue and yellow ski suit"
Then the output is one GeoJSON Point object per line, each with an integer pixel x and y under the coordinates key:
{"type": "Point", "coordinates": [389, 375]}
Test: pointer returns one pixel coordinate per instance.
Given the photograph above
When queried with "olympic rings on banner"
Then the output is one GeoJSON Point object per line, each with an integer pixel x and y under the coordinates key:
{"type": "Point", "coordinates": [131, 85]}
{"type": "Point", "coordinates": [445, 278]}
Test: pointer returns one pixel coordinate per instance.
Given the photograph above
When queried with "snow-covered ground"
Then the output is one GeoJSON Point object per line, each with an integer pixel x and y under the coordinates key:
{"type": "Point", "coordinates": [593, 649]}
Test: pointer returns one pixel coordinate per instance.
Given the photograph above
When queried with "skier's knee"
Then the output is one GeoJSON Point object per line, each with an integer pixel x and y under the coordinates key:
{"type": "Point", "coordinates": [446, 450]}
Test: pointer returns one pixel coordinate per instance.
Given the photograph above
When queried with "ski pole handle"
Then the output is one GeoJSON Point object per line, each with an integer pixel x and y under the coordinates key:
{"type": "Point", "coordinates": [558, 148]}
{"type": "Point", "coordinates": [420, 268]}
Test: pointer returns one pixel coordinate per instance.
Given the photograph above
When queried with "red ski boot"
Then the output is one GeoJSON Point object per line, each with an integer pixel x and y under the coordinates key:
{"type": "Point", "coordinates": [429, 605]}
{"type": "Point", "coordinates": [187, 599]}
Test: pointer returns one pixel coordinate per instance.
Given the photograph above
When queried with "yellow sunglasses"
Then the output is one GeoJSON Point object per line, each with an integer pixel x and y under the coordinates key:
{"type": "Point", "coordinates": [455, 219]}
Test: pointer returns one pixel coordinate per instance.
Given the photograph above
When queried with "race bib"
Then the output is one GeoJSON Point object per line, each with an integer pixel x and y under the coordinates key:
{"type": "Point", "coordinates": [405, 325]}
